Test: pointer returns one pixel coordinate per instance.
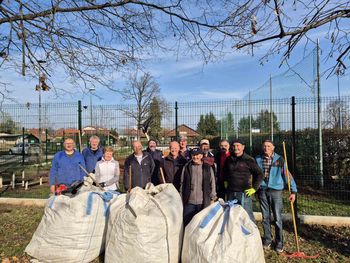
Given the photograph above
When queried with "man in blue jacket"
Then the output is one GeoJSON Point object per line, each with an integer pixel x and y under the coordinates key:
{"type": "Point", "coordinates": [65, 166]}
{"type": "Point", "coordinates": [93, 154]}
{"type": "Point", "coordinates": [270, 193]}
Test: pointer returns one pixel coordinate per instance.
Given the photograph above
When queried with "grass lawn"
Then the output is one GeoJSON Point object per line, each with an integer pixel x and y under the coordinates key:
{"type": "Point", "coordinates": [18, 223]}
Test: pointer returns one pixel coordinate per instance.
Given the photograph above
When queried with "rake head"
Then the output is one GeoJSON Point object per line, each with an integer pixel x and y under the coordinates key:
{"type": "Point", "coordinates": [298, 255]}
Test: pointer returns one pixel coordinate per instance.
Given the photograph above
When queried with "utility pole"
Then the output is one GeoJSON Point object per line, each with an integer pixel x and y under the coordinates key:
{"type": "Point", "coordinates": [41, 86]}
{"type": "Point", "coordinates": [320, 149]}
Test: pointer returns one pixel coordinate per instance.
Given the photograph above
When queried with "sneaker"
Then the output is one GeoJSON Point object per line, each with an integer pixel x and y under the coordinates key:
{"type": "Point", "coordinates": [279, 250]}
{"type": "Point", "coordinates": [267, 246]}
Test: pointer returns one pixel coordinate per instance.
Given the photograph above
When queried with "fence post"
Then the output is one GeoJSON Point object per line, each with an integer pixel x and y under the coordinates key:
{"type": "Point", "coordinates": [46, 145]}
{"type": "Point", "coordinates": [319, 117]}
{"type": "Point", "coordinates": [41, 180]}
{"type": "Point", "coordinates": [26, 186]}
{"type": "Point", "coordinates": [23, 146]}
{"type": "Point", "coordinates": [23, 178]}
{"type": "Point", "coordinates": [294, 158]}
{"type": "Point", "coordinates": [250, 125]}
{"type": "Point", "coordinates": [80, 121]}
{"type": "Point", "coordinates": [0, 181]}
{"type": "Point", "coordinates": [176, 122]}
{"type": "Point", "coordinates": [293, 137]}
{"type": "Point", "coordinates": [13, 181]}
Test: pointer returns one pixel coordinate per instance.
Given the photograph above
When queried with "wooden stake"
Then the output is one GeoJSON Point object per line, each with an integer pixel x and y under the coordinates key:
{"type": "Point", "coordinates": [41, 181]}
{"type": "Point", "coordinates": [23, 178]}
{"type": "Point", "coordinates": [13, 180]}
{"type": "Point", "coordinates": [26, 186]}
{"type": "Point", "coordinates": [0, 181]}
{"type": "Point", "coordinates": [130, 179]}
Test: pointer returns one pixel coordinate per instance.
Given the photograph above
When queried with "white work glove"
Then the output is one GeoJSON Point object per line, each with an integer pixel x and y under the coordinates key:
{"type": "Point", "coordinates": [88, 181]}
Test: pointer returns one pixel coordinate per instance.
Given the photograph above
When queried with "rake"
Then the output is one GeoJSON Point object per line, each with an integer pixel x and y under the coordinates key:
{"type": "Point", "coordinates": [298, 253]}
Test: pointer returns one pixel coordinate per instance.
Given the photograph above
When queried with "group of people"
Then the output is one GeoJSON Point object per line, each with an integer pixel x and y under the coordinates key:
{"type": "Point", "coordinates": [70, 166]}
{"type": "Point", "coordinates": [200, 176]}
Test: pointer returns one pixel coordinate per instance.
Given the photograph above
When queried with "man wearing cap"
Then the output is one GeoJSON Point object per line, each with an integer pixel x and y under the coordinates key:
{"type": "Point", "coordinates": [184, 151]}
{"type": "Point", "coordinates": [270, 193]}
{"type": "Point", "coordinates": [157, 156]}
{"type": "Point", "coordinates": [243, 176]}
{"type": "Point", "coordinates": [197, 187]}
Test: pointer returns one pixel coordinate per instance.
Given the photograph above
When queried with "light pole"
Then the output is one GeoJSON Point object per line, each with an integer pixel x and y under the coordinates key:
{"type": "Point", "coordinates": [90, 91]}
{"type": "Point", "coordinates": [41, 86]}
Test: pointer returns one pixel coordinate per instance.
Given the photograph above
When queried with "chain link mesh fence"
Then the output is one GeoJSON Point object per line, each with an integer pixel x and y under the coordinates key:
{"type": "Point", "coordinates": [251, 120]}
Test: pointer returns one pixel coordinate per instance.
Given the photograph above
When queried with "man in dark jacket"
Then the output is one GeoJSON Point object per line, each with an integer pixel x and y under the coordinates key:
{"type": "Point", "coordinates": [184, 151]}
{"type": "Point", "coordinates": [173, 164]}
{"type": "Point", "coordinates": [157, 156]}
{"type": "Point", "coordinates": [243, 176]}
{"type": "Point", "coordinates": [141, 165]}
{"type": "Point", "coordinates": [92, 154]}
{"type": "Point", "coordinates": [220, 159]}
{"type": "Point", "coordinates": [197, 187]}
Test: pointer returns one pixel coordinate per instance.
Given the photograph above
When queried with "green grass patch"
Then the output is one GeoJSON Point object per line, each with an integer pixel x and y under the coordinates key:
{"type": "Point", "coordinates": [309, 204]}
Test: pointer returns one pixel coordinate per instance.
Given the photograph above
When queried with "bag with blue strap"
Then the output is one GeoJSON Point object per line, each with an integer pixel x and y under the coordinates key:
{"type": "Point", "coordinates": [73, 227]}
{"type": "Point", "coordinates": [145, 225]}
{"type": "Point", "coordinates": [222, 232]}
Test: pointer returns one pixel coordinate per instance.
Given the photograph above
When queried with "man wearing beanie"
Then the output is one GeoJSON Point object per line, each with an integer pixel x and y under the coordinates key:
{"type": "Point", "coordinates": [243, 177]}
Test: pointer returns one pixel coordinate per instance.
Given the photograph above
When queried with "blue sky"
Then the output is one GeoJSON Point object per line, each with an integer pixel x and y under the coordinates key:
{"type": "Point", "coordinates": [184, 79]}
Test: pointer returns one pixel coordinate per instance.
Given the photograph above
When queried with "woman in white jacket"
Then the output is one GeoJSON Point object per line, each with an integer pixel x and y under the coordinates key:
{"type": "Point", "coordinates": [107, 170]}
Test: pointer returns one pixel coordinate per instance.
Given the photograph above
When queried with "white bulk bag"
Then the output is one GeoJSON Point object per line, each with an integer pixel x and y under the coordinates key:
{"type": "Point", "coordinates": [72, 228]}
{"type": "Point", "coordinates": [145, 226]}
{"type": "Point", "coordinates": [222, 232]}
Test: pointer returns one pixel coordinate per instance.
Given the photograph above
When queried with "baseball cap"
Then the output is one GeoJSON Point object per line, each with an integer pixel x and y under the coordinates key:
{"type": "Point", "coordinates": [196, 151]}
{"type": "Point", "coordinates": [238, 141]}
{"type": "Point", "coordinates": [204, 141]}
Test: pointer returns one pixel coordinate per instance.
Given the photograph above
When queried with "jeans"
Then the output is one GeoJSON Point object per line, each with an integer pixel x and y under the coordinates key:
{"type": "Point", "coordinates": [271, 200]}
{"type": "Point", "coordinates": [247, 205]}
{"type": "Point", "coordinates": [190, 211]}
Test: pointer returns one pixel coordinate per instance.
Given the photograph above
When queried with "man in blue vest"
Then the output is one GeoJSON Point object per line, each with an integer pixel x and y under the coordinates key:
{"type": "Point", "coordinates": [270, 193]}
{"type": "Point", "coordinates": [65, 168]}
{"type": "Point", "coordinates": [93, 154]}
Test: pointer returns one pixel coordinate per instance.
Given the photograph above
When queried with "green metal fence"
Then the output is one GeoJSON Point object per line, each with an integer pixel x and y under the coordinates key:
{"type": "Point", "coordinates": [323, 182]}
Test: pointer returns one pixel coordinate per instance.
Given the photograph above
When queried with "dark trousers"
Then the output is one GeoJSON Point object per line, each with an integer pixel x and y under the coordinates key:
{"type": "Point", "coordinates": [221, 191]}
{"type": "Point", "coordinates": [271, 200]}
{"type": "Point", "coordinates": [245, 201]}
{"type": "Point", "coordinates": [190, 211]}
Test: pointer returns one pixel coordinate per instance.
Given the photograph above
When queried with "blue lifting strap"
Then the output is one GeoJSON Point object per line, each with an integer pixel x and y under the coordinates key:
{"type": "Point", "coordinates": [106, 197]}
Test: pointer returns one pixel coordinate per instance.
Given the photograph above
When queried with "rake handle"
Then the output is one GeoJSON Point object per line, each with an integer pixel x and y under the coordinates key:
{"type": "Point", "coordinates": [291, 203]}
{"type": "Point", "coordinates": [162, 174]}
